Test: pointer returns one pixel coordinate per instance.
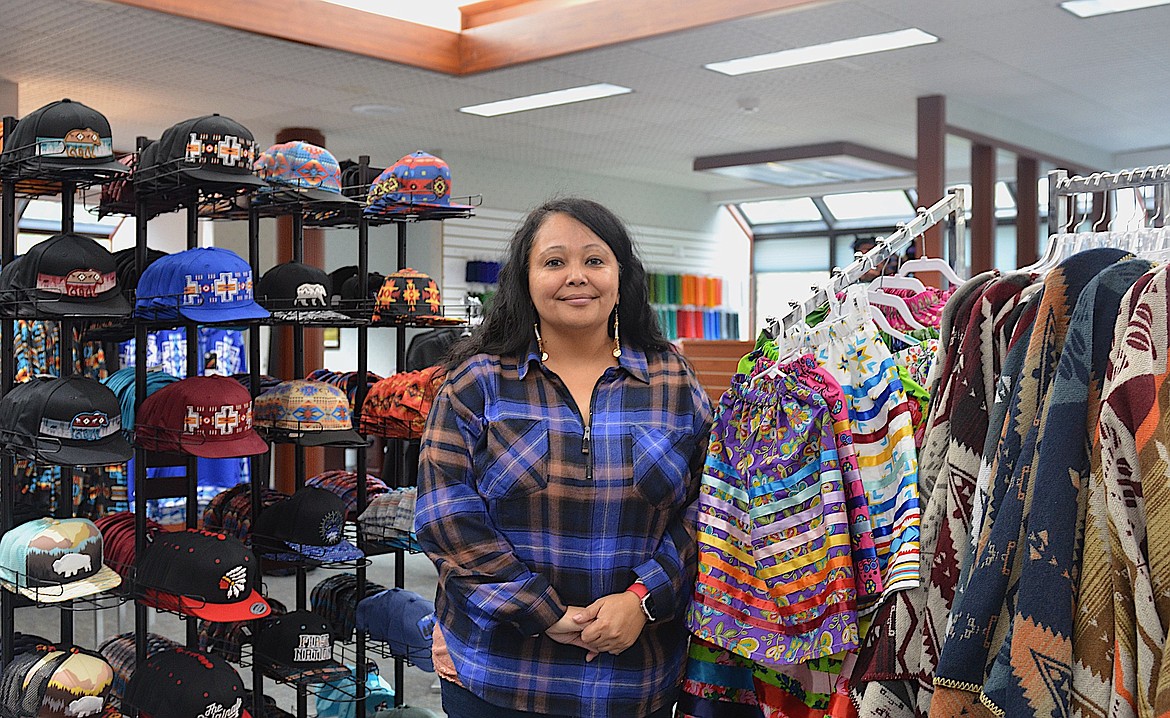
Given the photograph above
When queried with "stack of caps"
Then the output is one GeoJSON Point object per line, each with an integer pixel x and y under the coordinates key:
{"type": "Point", "coordinates": [409, 296]}
{"type": "Point", "coordinates": [51, 682]}
{"type": "Point", "coordinates": [54, 560]}
{"type": "Point", "coordinates": [68, 422]}
{"type": "Point", "coordinates": [347, 381]}
{"type": "Point", "coordinates": [307, 526]}
{"type": "Point", "coordinates": [227, 638]}
{"type": "Point", "coordinates": [121, 653]}
{"type": "Point", "coordinates": [390, 518]}
{"type": "Point", "coordinates": [296, 648]}
{"type": "Point", "coordinates": [61, 138]}
{"type": "Point", "coordinates": [300, 171]}
{"type": "Point", "coordinates": [212, 152]}
{"type": "Point", "coordinates": [344, 484]}
{"type": "Point", "coordinates": [180, 684]}
{"type": "Point", "coordinates": [230, 512]}
{"type": "Point", "coordinates": [401, 619]}
{"type": "Point", "coordinates": [417, 183]}
{"type": "Point", "coordinates": [309, 413]}
{"type": "Point", "coordinates": [202, 574]}
{"type": "Point", "coordinates": [335, 599]}
{"type": "Point", "coordinates": [208, 416]}
{"type": "Point", "coordinates": [345, 284]}
{"type": "Point", "coordinates": [127, 269]}
{"type": "Point", "coordinates": [67, 274]}
{"type": "Point", "coordinates": [266, 382]}
{"type": "Point", "coordinates": [122, 384]}
{"type": "Point", "coordinates": [118, 534]}
{"type": "Point", "coordinates": [397, 407]}
{"type": "Point", "coordinates": [207, 285]}
{"type": "Point", "coordinates": [298, 292]}
{"type": "Point", "coordinates": [117, 197]}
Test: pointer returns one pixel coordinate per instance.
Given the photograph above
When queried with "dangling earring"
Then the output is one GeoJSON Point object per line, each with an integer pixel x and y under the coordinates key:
{"type": "Point", "coordinates": [539, 342]}
{"type": "Point", "coordinates": [617, 344]}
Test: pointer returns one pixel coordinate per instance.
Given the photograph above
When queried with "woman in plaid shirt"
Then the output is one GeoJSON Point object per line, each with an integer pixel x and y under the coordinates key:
{"type": "Point", "coordinates": [559, 467]}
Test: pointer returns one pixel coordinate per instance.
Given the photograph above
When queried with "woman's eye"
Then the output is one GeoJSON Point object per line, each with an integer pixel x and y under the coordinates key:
{"type": "Point", "coordinates": [553, 263]}
{"type": "Point", "coordinates": [596, 261]}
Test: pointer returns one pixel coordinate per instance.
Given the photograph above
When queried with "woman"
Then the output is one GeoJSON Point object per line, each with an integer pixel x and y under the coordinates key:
{"type": "Point", "coordinates": [558, 464]}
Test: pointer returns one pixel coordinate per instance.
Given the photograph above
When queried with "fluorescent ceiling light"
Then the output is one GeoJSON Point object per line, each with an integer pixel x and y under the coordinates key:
{"type": "Point", "coordinates": [1093, 8]}
{"type": "Point", "coordinates": [443, 14]}
{"type": "Point", "coordinates": [546, 99]}
{"type": "Point", "coordinates": [827, 51]}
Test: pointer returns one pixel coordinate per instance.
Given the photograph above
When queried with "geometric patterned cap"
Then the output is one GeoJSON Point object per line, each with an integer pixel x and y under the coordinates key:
{"type": "Point", "coordinates": [312, 412]}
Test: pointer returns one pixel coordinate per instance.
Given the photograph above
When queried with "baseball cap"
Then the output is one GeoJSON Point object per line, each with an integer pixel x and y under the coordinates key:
{"type": "Point", "coordinates": [180, 683]}
{"type": "Point", "coordinates": [202, 574]}
{"type": "Point", "coordinates": [208, 416]}
{"type": "Point", "coordinates": [407, 294]}
{"type": "Point", "coordinates": [419, 180]}
{"type": "Point", "coordinates": [65, 274]}
{"type": "Point", "coordinates": [312, 413]}
{"type": "Point", "coordinates": [295, 291]}
{"type": "Point", "coordinates": [403, 620]}
{"type": "Point", "coordinates": [55, 683]}
{"type": "Point", "coordinates": [75, 421]}
{"type": "Point", "coordinates": [309, 524]}
{"type": "Point", "coordinates": [296, 648]}
{"type": "Point", "coordinates": [64, 136]}
{"type": "Point", "coordinates": [206, 285]}
{"type": "Point", "coordinates": [54, 560]}
{"type": "Point", "coordinates": [212, 149]}
{"type": "Point", "coordinates": [305, 169]}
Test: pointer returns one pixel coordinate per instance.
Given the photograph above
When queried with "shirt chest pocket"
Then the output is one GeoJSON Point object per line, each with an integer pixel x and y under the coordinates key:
{"type": "Point", "coordinates": [512, 459]}
{"type": "Point", "coordinates": [661, 464]}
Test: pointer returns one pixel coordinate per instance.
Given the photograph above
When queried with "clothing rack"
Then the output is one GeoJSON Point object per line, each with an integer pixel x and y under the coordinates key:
{"type": "Point", "coordinates": [887, 247]}
{"type": "Point", "coordinates": [1061, 185]}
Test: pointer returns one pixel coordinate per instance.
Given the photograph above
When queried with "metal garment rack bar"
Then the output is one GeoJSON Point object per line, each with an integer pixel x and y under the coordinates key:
{"type": "Point", "coordinates": [141, 617]}
{"type": "Point", "coordinates": [7, 377]}
{"type": "Point", "coordinates": [886, 248]}
{"type": "Point", "coordinates": [358, 401]}
{"type": "Point", "coordinates": [1061, 185]}
{"type": "Point", "coordinates": [258, 464]}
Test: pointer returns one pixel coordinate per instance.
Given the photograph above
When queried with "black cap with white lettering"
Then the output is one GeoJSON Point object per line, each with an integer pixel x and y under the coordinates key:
{"type": "Point", "coordinates": [296, 648]}
{"type": "Point", "coordinates": [185, 684]}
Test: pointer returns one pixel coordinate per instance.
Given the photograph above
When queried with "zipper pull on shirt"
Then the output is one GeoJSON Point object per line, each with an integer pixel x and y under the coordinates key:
{"type": "Point", "coordinates": [585, 451]}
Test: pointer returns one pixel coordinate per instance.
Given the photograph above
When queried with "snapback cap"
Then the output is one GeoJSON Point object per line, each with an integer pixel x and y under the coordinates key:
{"type": "Point", "coordinates": [208, 416]}
{"type": "Point", "coordinates": [211, 149]}
{"type": "Point", "coordinates": [202, 574]}
{"type": "Point", "coordinates": [312, 412]}
{"type": "Point", "coordinates": [306, 169]}
{"type": "Point", "coordinates": [403, 620]}
{"type": "Point", "coordinates": [296, 648]}
{"type": "Point", "coordinates": [295, 291]}
{"type": "Point", "coordinates": [66, 136]}
{"type": "Point", "coordinates": [307, 525]}
{"type": "Point", "coordinates": [418, 180]}
{"type": "Point", "coordinates": [407, 294]}
{"type": "Point", "coordinates": [181, 683]}
{"type": "Point", "coordinates": [206, 285]}
{"type": "Point", "coordinates": [75, 421]}
{"type": "Point", "coordinates": [65, 274]}
{"type": "Point", "coordinates": [54, 560]}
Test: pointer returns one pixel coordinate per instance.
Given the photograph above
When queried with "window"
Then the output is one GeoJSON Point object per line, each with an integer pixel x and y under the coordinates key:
{"type": "Point", "coordinates": [801, 209]}
{"type": "Point", "coordinates": [885, 204]}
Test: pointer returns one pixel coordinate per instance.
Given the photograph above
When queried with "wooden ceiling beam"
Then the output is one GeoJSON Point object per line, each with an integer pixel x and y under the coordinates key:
{"type": "Point", "coordinates": [322, 24]}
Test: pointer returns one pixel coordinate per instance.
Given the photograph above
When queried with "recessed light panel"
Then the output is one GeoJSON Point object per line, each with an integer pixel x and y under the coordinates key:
{"type": "Point", "coordinates": [546, 99]}
{"type": "Point", "coordinates": [852, 47]}
{"type": "Point", "coordinates": [1093, 8]}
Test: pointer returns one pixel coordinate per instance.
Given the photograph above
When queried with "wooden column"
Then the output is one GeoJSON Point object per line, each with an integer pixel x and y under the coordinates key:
{"type": "Point", "coordinates": [932, 155]}
{"type": "Point", "coordinates": [280, 357]}
{"type": "Point", "coordinates": [982, 207]}
{"type": "Point", "coordinates": [1027, 211]}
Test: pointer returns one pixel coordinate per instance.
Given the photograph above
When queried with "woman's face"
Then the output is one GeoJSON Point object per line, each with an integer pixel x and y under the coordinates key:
{"type": "Point", "coordinates": [572, 276]}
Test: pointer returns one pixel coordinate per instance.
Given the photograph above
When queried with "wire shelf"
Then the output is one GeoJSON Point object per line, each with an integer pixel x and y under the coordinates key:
{"type": "Point", "coordinates": [47, 594]}
{"type": "Point", "coordinates": [273, 549]}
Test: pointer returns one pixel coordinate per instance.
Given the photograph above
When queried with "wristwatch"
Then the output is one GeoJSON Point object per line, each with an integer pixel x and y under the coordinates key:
{"type": "Point", "coordinates": [639, 589]}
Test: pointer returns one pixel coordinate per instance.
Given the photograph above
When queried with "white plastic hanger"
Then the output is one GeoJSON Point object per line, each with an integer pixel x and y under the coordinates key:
{"type": "Point", "coordinates": [932, 264]}
{"type": "Point", "coordinates": [883, 323]}
{"type": "Point", "coordinates": [898, 282]}
{"type": "Point", "coordinates": [895, 302]}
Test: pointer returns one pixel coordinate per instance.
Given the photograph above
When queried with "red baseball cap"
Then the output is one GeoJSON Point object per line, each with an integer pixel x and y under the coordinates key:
{"type": "Point", "coordinates": [208, 416]}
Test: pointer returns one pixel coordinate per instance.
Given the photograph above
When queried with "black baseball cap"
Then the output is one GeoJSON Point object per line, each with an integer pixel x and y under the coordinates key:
{"type": "Point", "coordinates": [211, 149]}
{"type": "Point", "coordinates": [181, 683]}
{"type": "Point", "coordinates": [64, 136]}
{"type": "Point", "coordinates": [307, 525]}
{"type": "Point", "coordinates": [202, 574]}
{"type": "Point", "coordinates": [67, 274]}
{"type": "Point", "coordinates": [75, 421]}
{"type": "Point", "coordinates": [299, 292]}
{"type": "Point", "coordinates": [296, 648]}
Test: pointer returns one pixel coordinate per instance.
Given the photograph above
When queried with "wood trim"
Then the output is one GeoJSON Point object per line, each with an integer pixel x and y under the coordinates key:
{"type": "Point", "coordinates": [333, 27]}
{"type": "Point", "coordinates": [804, 152]}
{"type": "Point", "coordinates": [1027, 210]}
{"type": "Point", "coordinates": [978, 138]}
{"type": "Point", "coordinates": [575, 28]}
{"type": "Point", "coordinates": [490, 11]}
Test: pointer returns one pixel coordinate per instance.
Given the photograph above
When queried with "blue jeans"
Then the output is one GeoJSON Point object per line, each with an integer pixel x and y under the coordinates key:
{"type": "Point", "coordinates": [458, 702]}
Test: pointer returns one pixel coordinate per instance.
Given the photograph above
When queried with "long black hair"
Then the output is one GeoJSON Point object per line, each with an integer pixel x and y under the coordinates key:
{"type": "Point", "coordinates": [507, 327]}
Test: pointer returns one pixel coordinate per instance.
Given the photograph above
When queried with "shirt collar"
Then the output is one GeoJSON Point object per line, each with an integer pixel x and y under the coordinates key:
{"type": "Point", "coordinates": [633, 360]}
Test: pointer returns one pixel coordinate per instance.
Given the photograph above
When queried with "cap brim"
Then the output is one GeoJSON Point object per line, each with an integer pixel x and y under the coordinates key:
{"type": "Point", "coordinates": [344, 437]}
{"type": "Point", "coordinates": [234, 313]}
{"type": "Point", "coordinates": [224, 178]}
{"type": "Point", "coordinates": [110, 166]}
{"type": "Point", "coordinates": [342, 551]}
{"type": "Point", "coordinates": [331, 671]}
{"type": "Point", "coordinates": [309, 315]}
{"type": "Point", "coordinates": [247, 444]}
{"type": "Point", "coordinates": [113, 449]}
{"type": "Point", "coordinates": [252, 607]}
{"type": "Point", "coordinates": [286, 193]}
{"type": "Point", "coordinates": [115, 306]}
{"type": "Point", "coordinates": [103, 580]}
